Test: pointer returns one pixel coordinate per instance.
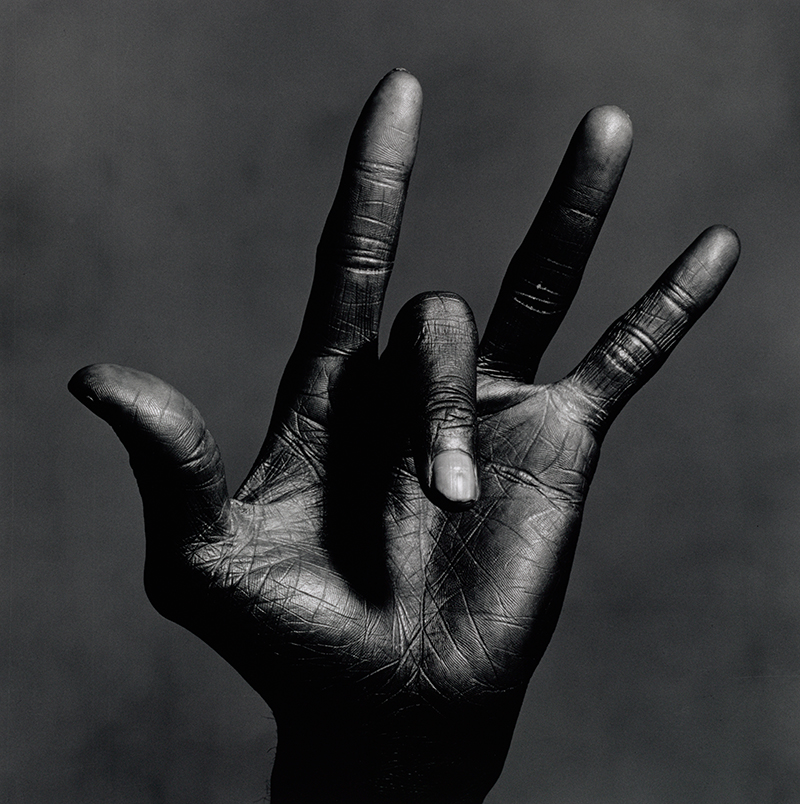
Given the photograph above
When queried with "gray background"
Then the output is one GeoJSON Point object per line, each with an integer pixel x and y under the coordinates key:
{"type": "Point", "coordinates": [165, 169]}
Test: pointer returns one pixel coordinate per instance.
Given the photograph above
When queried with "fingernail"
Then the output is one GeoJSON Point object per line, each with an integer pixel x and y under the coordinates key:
{"type": "Point", "coordinates": [454, 476]}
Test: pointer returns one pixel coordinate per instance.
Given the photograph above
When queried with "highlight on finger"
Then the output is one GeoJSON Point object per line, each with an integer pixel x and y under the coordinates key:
{"type": "Point", "coordinates": [637, 344]}
{"type": "Point", "coordinates": [545, 273]}
{"type": "Point", "coordinates": [359, 241]}
{"type": "Point", "coordinates": [431, 359]}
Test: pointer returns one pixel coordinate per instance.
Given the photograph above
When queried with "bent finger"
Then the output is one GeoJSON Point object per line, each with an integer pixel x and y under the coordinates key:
{"type": "Point", "coordinates": [432, 353]}
{"type": "Point", "coordinates": [175, 459]}
{"type": "Point", "coordinates": [637, 344]}
{"type": "Point", "coordinates": [544, 274]}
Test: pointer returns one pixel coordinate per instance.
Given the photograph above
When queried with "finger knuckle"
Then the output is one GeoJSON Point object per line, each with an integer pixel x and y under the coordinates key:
{"type": "Point", "coordinates": [440, 305]}
{"type": "Point", "coordinates": [452, 406]}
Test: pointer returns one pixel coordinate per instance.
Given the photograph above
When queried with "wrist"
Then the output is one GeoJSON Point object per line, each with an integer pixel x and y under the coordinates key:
{"type": "Point", "coordinates": [374, 768]}
{"type": "Point", "coordinates": [311, 782]}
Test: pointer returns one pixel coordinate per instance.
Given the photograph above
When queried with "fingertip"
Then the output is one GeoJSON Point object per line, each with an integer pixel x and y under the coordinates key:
{"type": "Point", "coordinates": [610, 123]}
{"type": "Point", "coordinates": [123, 396]}
{"type": "Point", "coordinates": [102, 382]}
{"type": "Point", "coordinates": [90, 384]}
{"type": "Point", "coordinates": [608, 133]}
{"type": "Point", "coordinates": [723, 244]}
{"type": "Point", "coordinates": [597, 155]}
{"type": "Point", "coordinates": [454, 477]}
{"type": "Point", "coordinates": [163, 433]}
{"type": "Point", "coordinates": [77, 384]}
{"type": "Point", "coordinates": [704, 268]}
{"type": "Point", "coordinates": [388, 129]}
{"type": "Point", "coordinates": [402, 86]}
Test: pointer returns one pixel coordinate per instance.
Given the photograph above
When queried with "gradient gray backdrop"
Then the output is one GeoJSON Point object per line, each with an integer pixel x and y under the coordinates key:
{"type": "Point", "coordinates": [165, 169]}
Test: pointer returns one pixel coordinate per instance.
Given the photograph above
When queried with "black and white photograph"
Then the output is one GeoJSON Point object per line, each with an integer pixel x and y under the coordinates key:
{"type": "Point", "coordinates": [399, 402]}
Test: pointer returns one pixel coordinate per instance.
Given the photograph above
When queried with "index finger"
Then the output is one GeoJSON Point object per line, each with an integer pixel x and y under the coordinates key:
{"type": "Point", "coordinates": [358, 244]}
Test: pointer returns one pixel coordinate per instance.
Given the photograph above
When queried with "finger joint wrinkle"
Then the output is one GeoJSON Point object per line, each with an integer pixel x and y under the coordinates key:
{"type": "Point", "coordinates": [575, 202]}
{"type": "Point", "coordinates": [556, 267]}
{"type": "Point", "coordinates": [583, 193]}
{"type": "Point", "coordinates": [450, 403]}
{"type": "Point", "coordinates": [378, 243]}
{"type": "Point", "coordinates": [392, 175]}
{"type": "Point", "coordinates": [679, 296]}
{"type": "Point", "coordinates": [538, 302]}
{"type": "Point", "coordinates": [362, 261]}
{"type": "Point", "coordinates": [368, 229]}
{"type": "Point", "coordinates": [633, 347]}
{"type": "Point", "coordinates": [572, 210]}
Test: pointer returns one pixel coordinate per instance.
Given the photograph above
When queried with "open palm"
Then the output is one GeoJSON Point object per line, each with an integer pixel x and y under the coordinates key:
{"type": "Point", "coordinates": [391, 571]}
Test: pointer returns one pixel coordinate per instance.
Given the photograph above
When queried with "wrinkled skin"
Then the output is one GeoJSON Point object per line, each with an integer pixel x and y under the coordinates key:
{"type": "Point", "coordinates": [388, 610]}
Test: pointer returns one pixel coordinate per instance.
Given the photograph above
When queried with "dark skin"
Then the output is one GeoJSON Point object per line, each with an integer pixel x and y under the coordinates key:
{"type": "Point", "coordinates": [392, 569]}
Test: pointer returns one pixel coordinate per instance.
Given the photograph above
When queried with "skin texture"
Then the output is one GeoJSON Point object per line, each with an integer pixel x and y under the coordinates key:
{"type": "Point", "coordinates": [392, 569]}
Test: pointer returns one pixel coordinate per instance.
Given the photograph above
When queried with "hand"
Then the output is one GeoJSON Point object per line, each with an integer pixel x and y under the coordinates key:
{"type": "Point", "coordinates": [392, 569]}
